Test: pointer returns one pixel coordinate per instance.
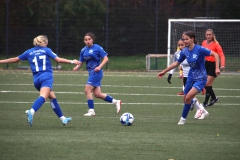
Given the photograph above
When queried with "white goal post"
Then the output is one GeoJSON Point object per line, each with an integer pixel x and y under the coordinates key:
{"type": "Point", "coordinates": [227, 33]}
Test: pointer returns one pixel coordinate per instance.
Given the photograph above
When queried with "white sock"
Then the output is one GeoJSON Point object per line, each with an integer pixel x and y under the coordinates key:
{"type": "Point", "coordinates": [32, 111]}
{"type": "Point", "coordinates": [183, 88]}
{"type": "Point", "coordinates": [183, 118]}
{"type": "Point", "coordinates": [198, 105]}
{"type": "Point", "coordinates": [62, 118]}
{"type": "Point", "coordinates": [91, 110]}
{"type": "Point", "coordinates": [114, 101]}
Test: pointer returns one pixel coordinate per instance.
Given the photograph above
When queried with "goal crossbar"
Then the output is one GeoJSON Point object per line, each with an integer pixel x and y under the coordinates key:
{"type": "Point", "coordinates": [194, 23]}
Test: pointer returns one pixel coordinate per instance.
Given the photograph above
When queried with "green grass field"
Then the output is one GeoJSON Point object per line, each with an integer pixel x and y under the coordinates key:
{"type": "Point", "coordinates": [154, 135]}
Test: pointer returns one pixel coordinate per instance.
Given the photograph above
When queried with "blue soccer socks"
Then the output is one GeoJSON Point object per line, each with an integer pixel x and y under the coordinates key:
{"type": "Point", "coordinates": [56, 108]}
{"type": "Point", "coordinates": [38, 103]}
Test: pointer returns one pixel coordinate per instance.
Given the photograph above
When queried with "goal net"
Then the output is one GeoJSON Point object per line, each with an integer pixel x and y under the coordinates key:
{"type": "Point", "coordinates": [227, 33]}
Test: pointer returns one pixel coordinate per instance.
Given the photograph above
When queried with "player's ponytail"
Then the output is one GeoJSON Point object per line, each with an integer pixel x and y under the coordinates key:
{"type": "Point", "coordinates": [40, 40]}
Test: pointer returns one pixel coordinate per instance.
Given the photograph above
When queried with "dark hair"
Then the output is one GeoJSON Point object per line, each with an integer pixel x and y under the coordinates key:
{"type": "Point", "coordinates": [181, 39]}
{"type": "Point", "coordinates": [191, 34]}
{"type": "Point", "coordinates": [90, 34]}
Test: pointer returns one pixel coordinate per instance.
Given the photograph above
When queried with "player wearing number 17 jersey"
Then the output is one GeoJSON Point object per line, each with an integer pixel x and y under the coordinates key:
{"type": "Point", "coordinates": [40, 64]}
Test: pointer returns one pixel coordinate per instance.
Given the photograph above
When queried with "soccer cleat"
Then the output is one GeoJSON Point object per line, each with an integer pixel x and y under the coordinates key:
{"type": "Point", "coordinates": [213, 101]}
{"type": "Point", "coordinates": [181, 121]}
{"type": "Point", "coordinates": [180, 93]}
{"type": "Point", "coordinates": [29, 117]}
{"type": "Point", "coordinates": [198, 113]}
{"type": "Point", "coordinates": [118, 104]}
{"type": "Point", "coordinates": [66, 120]}
{"type": "Point", "coordinates": [192, 105]}
{"type": "Point", "coordinates": [204, 114]}
{"type": "Point", "coordinates": [205, 104]}
{"type": "Point", "coordinates": [90, 113]}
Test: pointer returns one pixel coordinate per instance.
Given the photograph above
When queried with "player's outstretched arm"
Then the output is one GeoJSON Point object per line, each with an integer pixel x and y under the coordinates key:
{"type": "Point", "coordinates": [173, 65]}
{"type": "Point", "coordinates": [63, 60]}
{"type": "Point", "coordinates": [10, 60]}
{"type": "Point", "coordinates": [77, 67]}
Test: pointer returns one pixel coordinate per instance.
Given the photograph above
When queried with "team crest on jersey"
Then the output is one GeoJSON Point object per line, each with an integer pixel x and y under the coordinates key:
{"type": "Point", "coordinates": [194, 56]}
{"type": "Point", "coordinates": [90, 51]}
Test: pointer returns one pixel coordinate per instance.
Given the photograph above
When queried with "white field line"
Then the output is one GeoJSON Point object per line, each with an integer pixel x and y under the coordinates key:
{"type": "Point", "coordinates": [112, 74]}
{"type": "Point", "coordinates": [119, 86]}
{"type": "Point", "coordinates": [105, 103]}
{"type": "Point", "coordinates": [123, 94]}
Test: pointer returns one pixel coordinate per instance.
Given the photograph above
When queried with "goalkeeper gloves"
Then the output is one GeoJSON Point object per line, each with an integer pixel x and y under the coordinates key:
{"type": "Point", "coordinates": [169, 78]}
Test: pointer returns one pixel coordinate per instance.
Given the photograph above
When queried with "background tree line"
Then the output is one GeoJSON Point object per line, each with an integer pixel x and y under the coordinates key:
{"type": "Point", "coordinates": [129, 28]}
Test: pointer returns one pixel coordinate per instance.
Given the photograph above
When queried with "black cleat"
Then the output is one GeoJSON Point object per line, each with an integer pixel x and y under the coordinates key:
{"type": "Point", "coordinates": [205, 104]}
{"type": "Point", "coordinates": [213, 101]}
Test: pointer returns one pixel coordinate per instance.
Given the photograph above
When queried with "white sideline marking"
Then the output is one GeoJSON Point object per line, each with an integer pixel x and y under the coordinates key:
{"type": "Point", "coordinates": [125, 94]}
{"type": "Point", "coordinates": [115, 74]}
{"type": "Point", "coordinates": [166, 104]}
{"type": "Point", "coordinates": [121, 86]}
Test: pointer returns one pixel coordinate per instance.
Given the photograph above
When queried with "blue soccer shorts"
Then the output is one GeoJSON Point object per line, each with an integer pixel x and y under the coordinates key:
{"type": "Point", "coordinates": [95, 78]}
{"type": "Point", "coordinates": [44, 80]}
{"type": "Point", "coordinates": [199, 85]}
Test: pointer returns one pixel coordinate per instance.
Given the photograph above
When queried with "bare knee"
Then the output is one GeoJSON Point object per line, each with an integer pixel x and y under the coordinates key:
{"type": "Point", "coordinates": [188, 99]}
{"type": "Point", "coordinates": [98, 95]}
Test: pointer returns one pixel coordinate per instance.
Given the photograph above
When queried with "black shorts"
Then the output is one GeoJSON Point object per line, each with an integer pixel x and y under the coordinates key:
{"type": "Point", "coordinates": [210, 68]}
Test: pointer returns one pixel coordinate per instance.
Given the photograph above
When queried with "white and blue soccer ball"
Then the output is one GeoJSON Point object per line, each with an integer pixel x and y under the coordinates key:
{"type": "Point", "coordinates": [127, 119]}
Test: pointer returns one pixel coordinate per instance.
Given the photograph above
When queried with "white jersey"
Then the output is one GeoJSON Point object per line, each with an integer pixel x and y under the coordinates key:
{"type": "Point", "coordinates": [184, 64]}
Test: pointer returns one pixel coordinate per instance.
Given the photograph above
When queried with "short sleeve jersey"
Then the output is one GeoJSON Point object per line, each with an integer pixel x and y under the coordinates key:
{"type": "Point", "coordinates": [175, 57]}
{"type": "Point", "coordinates": [92, 56]}
{"type": "Point", "coordinates": [215, 47]}
{"type": "Point", "coordinates": [39, 59]}
{"type": "Point", "coordinates": [184, 64]}
{"type": "Point", "coordinates": [196, 60]}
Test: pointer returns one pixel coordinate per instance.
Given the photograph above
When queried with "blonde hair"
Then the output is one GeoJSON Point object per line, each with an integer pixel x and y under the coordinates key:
{"type": "Point", "coordinates": [40, 40]}
{"type": "Point", "coordinates": [214, 37]}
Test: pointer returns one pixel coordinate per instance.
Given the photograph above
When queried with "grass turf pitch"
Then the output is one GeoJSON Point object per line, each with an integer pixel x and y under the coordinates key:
{"type": "Point", "coordinates": [154, 134]}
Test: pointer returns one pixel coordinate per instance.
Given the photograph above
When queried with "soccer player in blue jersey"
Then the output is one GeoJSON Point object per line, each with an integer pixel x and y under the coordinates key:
{"type": "Point", "coordinates": [197, 76]}
{"type": "Point", "coordinates": [92, 54]}
{"type": "Point", "coordinates": [39, 60]}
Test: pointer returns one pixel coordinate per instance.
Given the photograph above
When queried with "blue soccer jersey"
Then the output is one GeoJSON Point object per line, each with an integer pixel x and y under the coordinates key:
{"type": "Point", "coordinates": [196, 60]}
{"type": "Point", "coordinates": [39, 59]}
{"type": "Point", "coordinates": [92, 56]}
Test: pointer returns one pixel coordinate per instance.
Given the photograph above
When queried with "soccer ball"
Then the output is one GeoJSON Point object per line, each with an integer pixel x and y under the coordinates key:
{"type": "Point", "coordinates": [127, 119]}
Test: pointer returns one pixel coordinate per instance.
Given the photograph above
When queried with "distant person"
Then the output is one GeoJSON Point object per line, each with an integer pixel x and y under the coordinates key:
{"type": "Point", "coordinates": [212, 44]}
{"type": "Point", "coordinates": [39, 60]}
{"type": "Point", "coordinates": [197, 77]}
{"type": "Point", "coordinates": [92, 55]}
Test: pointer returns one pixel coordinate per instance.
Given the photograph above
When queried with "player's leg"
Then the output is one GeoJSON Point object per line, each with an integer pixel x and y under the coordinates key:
{"type": "Point", "coordinates": [98, 94]}
{"type": "Point", "coordinates": [201, 112]}
{"type": "Point", "coordinates": [37, 104]}
{"type": "Point", "coordinates": [210, 67]}
{"type": "Point", "coordinates": [90, 102]}
{"type": "Point", "coordinates": [44, 93]}
{"type": "Point", "coordinates": [187, 102]}
{"type": "Point", "coordinates": [209, 84]}
{"type": "Point", "coordinates": [57, 109]}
